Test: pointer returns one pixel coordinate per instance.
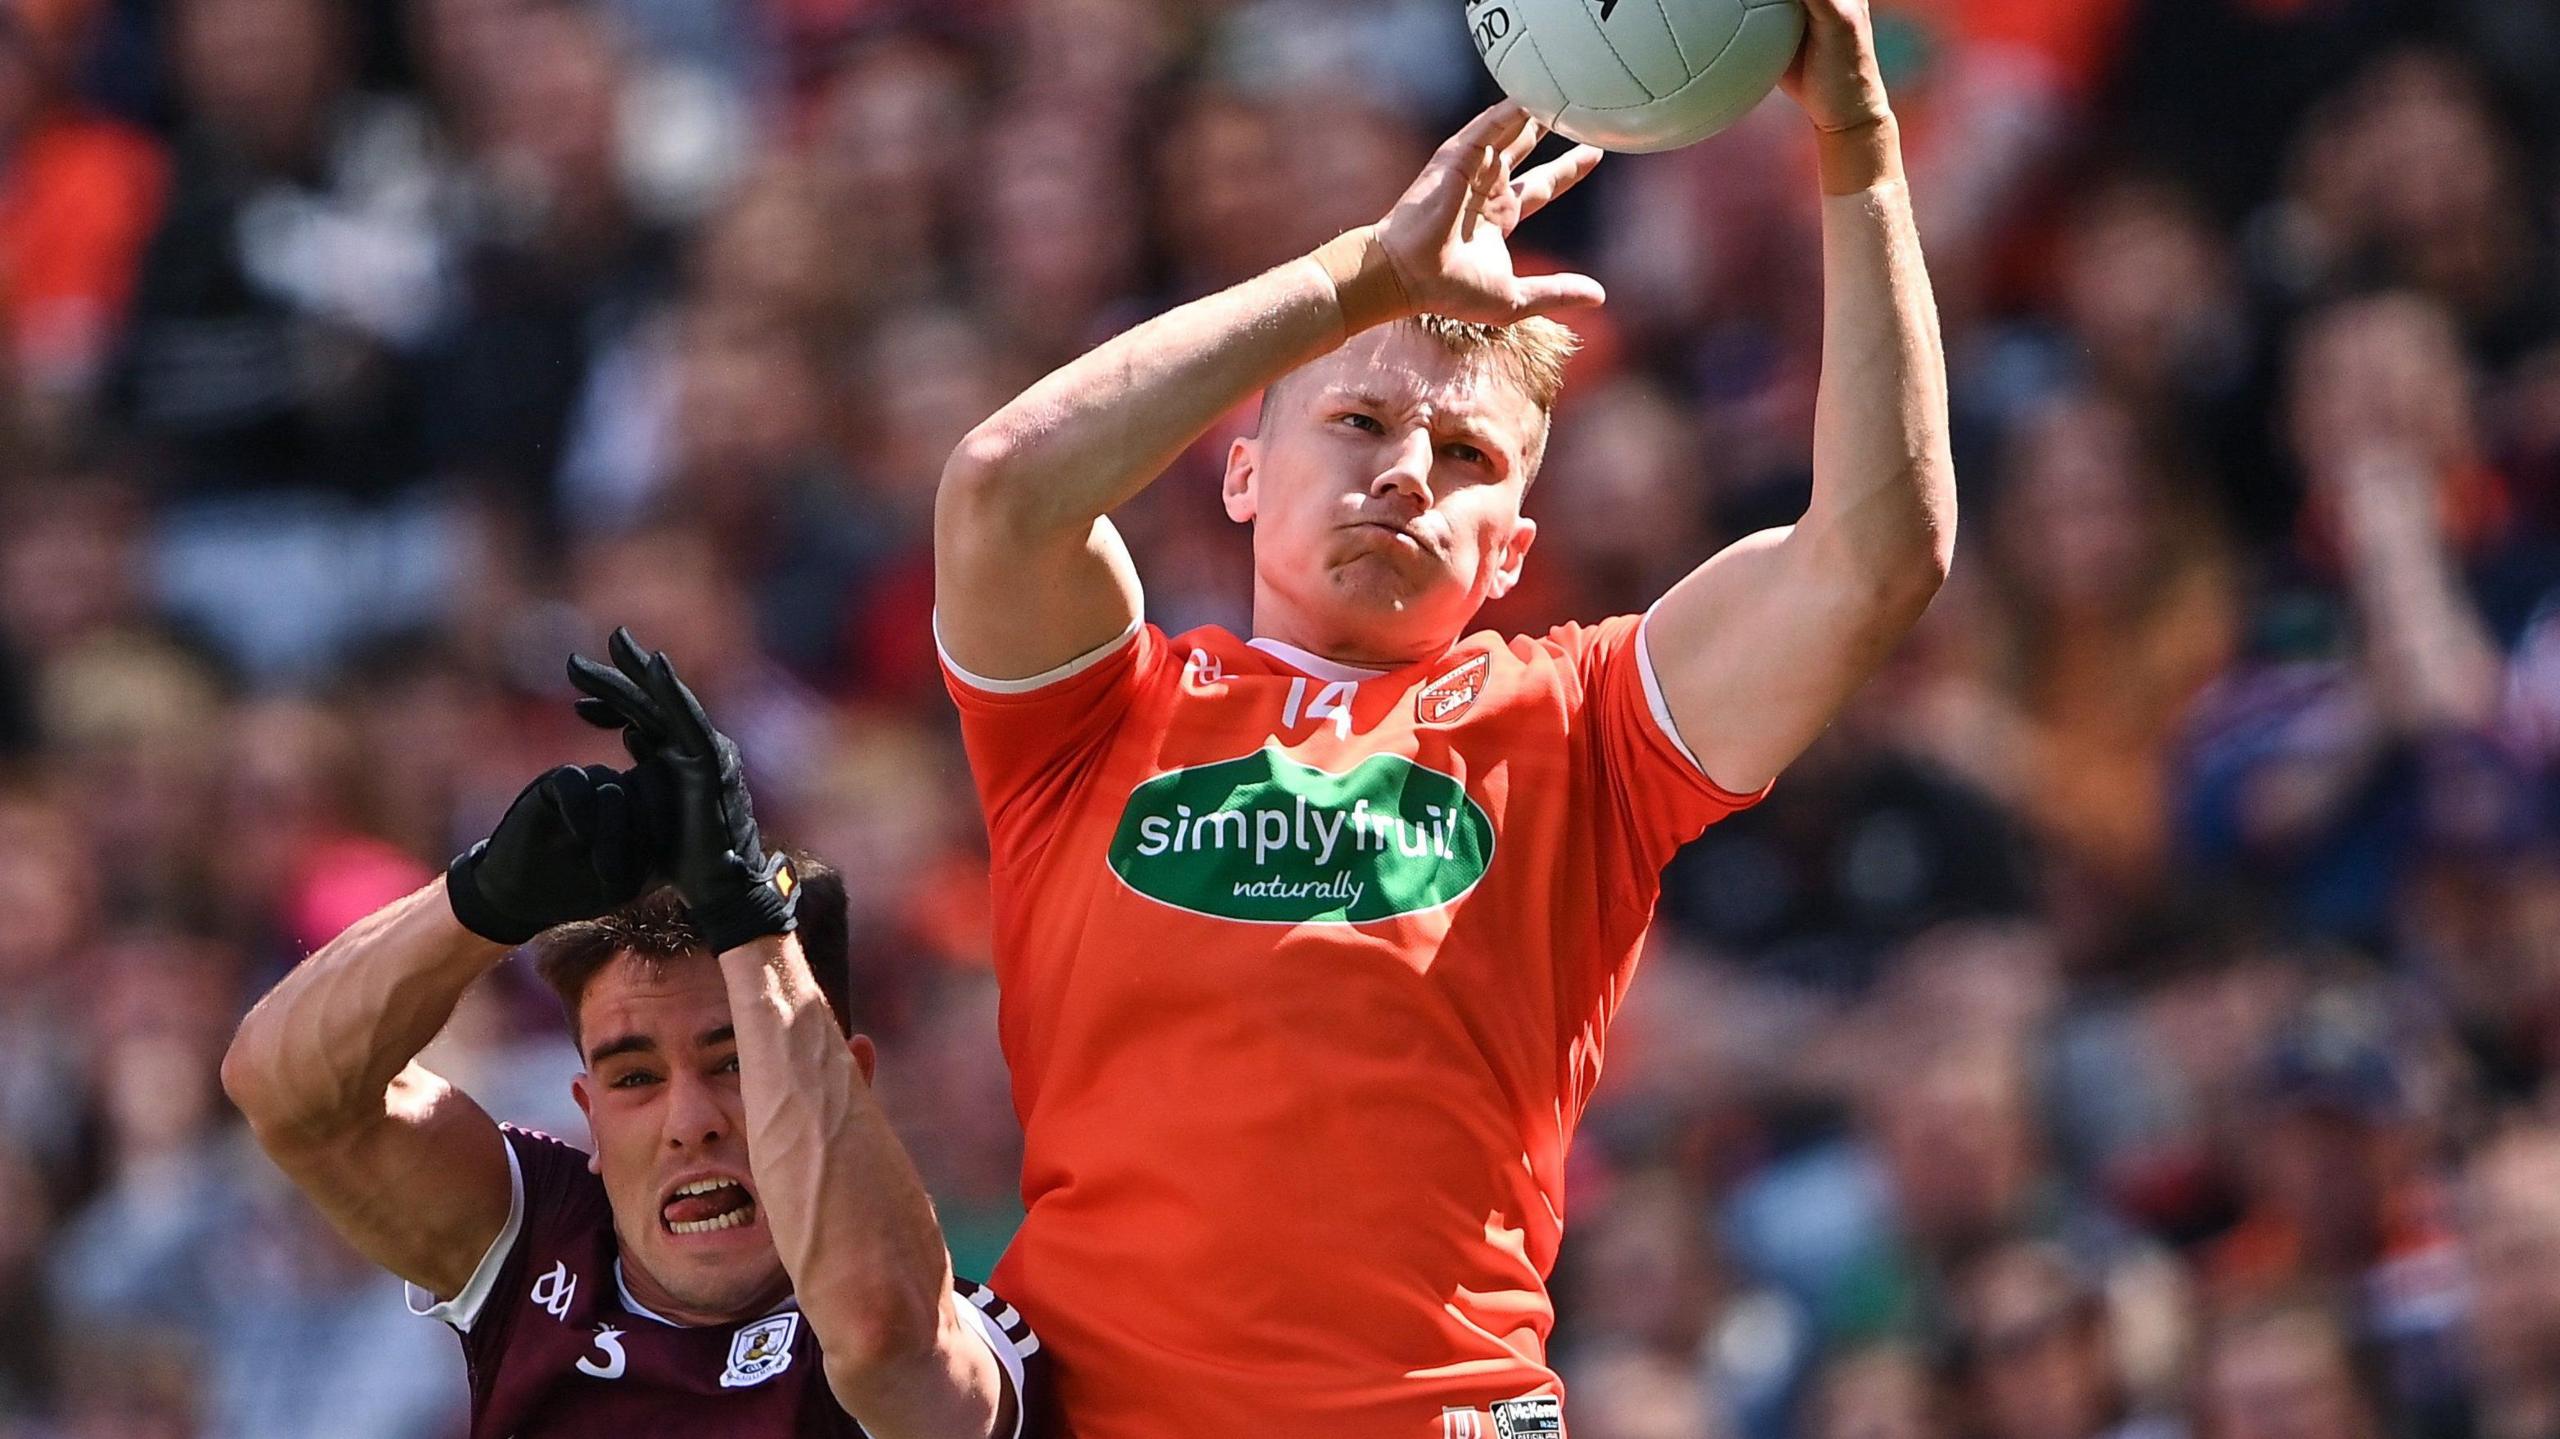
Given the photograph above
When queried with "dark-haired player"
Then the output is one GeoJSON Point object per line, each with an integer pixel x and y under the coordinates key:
{"type": "Point", "coordinates": [746, 1249]}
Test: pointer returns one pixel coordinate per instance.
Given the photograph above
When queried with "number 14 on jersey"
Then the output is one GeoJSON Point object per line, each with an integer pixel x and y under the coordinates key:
{"type": "Point", "coordinates": [1333, 702]}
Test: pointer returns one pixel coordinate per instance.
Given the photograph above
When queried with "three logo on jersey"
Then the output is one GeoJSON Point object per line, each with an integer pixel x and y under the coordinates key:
{"type": "Point", "coordinates": [757, 1352]}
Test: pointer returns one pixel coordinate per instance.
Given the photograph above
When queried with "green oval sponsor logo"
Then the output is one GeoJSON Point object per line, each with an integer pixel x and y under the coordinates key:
{"type": "Point", "coordinates": [1267, 840]}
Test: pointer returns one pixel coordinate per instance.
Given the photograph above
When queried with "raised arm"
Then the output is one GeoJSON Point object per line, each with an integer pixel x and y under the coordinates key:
{"type": "Point", "coordinates": [2375, 447]}
{"type": "Point", "coordinates": [852, 1222]}
{"type": "Point", "coordinates": [1760, 646]}
{"type": "Point", "coordinates": [1029, 575]}
{"type": "Point", "coordinates": [404, 1165]}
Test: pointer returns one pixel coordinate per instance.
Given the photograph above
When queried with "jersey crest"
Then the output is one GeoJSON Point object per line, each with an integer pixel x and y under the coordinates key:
{"type": "Point", "coordinates": [1454, 692]}
{"type": "Point", "coordinates": [760, 1351]}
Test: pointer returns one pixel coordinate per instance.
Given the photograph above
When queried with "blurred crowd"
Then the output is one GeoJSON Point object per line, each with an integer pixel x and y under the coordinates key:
{"type": "Point", "coordinates": [2137, 1019]}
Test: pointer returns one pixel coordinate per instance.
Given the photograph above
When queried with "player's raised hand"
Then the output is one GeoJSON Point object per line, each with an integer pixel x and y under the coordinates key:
{"type": "Point", "coordinates": [1448, 240]}
{"type": "Point", "coordinates": [733, 890]}
{"type": "Point", "coordinates": [575, 843]}
{"type": "Point", "coordinates": [1835, 77]}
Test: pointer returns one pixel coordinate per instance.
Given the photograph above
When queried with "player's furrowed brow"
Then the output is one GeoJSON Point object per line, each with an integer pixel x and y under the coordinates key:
{"type": "Point", "coordinates": [715, 1037]}
{"type": "Point", "coordinates": [621, 1045]}
{"type": "Point", "coordinates": [1365, 399]}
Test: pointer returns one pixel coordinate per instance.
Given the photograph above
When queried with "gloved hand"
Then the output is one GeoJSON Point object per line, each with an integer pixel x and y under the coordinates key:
{"type": "Point", "coordinates": [733, 890]}
{"type": "Point", "coordinates": [575, 843]}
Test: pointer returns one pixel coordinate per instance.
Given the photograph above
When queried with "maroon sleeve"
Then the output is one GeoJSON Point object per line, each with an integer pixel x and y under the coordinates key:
{"type": "Point", "coordinates": [554, 1199]}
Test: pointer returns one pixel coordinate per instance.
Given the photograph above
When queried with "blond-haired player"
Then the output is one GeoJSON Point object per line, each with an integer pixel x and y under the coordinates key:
{"type": "Point", "coordinates": [1310, 939]}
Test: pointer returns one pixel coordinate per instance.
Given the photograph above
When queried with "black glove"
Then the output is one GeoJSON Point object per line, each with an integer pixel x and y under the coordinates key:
{"type": "Point", "coordinates": [733, 891]}
{"type": "Point", "coordinates": [575, 844]}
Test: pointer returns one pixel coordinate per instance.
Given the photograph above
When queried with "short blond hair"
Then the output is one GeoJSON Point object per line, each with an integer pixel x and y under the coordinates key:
{"type": "Point", "coordinates": [1531, 353]}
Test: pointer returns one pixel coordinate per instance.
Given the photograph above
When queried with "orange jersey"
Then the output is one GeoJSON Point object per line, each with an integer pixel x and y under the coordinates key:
{"type": "Point", "coordinates": [1306, 975]}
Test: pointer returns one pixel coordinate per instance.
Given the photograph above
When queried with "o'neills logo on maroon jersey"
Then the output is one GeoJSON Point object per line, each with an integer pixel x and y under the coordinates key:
{"type": "Point", "coordinates": [1448, 697]}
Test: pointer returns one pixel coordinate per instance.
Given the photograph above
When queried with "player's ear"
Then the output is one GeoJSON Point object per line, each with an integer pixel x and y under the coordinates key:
{"type": "Point", "coordinates": [866, 1056]}
{"type": "Point", "coordinates": [1513, 555]}
{"type": "Point", "coordinates": [1244, 459]}
{"type": "Point", "coordinates": [586, 1098]}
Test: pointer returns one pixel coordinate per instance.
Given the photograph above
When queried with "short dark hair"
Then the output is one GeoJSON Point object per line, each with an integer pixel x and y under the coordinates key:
{"type": "Point", "coordinates": [653, 931]}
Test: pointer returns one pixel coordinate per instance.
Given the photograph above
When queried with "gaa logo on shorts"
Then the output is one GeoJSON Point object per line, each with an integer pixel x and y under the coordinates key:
{"type": "Point", "coordinates": [760, 1351]}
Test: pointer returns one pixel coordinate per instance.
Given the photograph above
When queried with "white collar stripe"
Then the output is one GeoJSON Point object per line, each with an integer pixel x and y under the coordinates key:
{"type": "Point", "coordinates": [1314, 664]}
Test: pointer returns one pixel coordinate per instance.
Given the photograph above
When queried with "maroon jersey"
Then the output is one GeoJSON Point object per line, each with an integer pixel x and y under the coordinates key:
{"type": "Point", "coordinates": [558, 1347]}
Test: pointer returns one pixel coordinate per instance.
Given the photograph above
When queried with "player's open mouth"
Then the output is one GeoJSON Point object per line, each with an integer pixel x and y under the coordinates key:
{"type": "Point", "coordinates": [707, 1205]}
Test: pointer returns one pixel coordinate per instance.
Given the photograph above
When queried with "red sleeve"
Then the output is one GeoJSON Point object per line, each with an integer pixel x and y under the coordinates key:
{"type": "Point", "coordinates": [1658, 796]}
{"type": "Point", "coordinates": [1032, 744]}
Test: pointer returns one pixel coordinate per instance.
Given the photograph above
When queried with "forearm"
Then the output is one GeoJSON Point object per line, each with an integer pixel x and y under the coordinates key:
{"type": "Point", "coordinates": [1092, 435]}
{"type": "Point", "coordinates": [1884, 479]}
{"type": "Point", "coordinates": [317, 1055]}
{"type": "Point", "coordinates": [2436, 665]}
{"type": "Point", "coordinates": [854, 1227]}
